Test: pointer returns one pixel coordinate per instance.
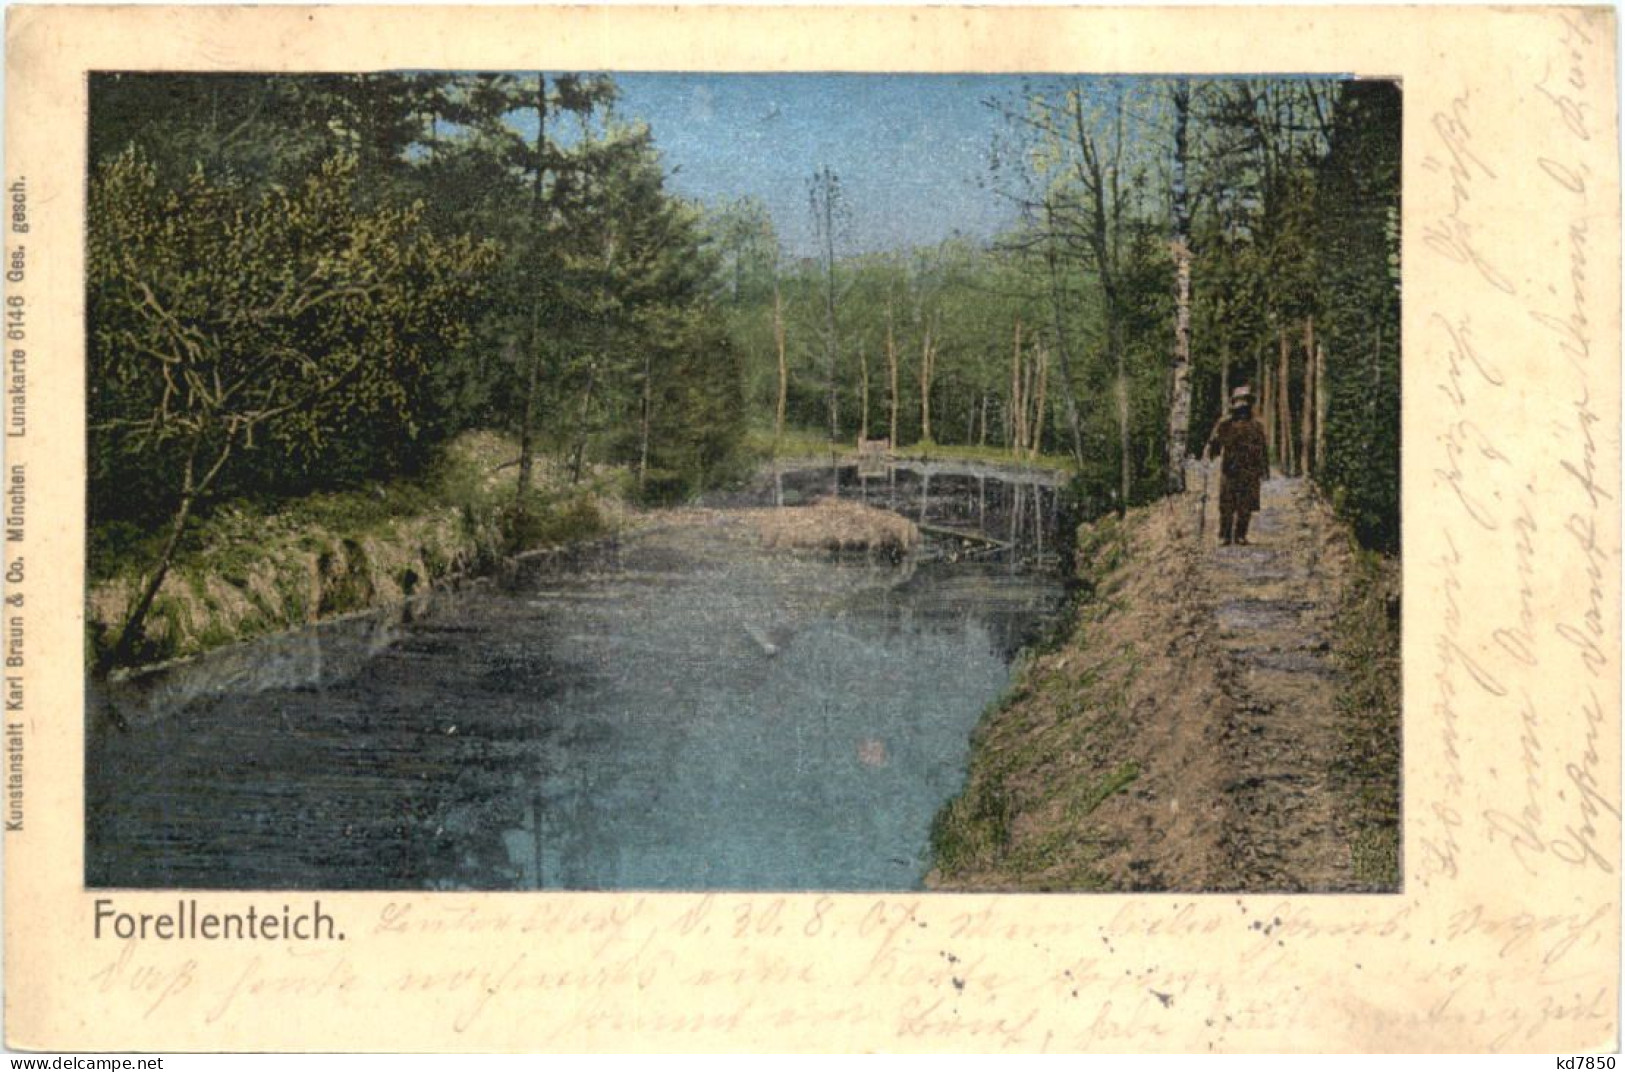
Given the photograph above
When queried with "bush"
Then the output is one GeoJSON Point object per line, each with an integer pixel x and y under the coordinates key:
{"type": "Point", "coordinates": [544, 523]}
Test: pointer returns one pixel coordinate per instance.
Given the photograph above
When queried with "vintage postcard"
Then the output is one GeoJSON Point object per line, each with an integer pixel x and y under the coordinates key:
{"type": "Point", "coordinates": [812, 528]}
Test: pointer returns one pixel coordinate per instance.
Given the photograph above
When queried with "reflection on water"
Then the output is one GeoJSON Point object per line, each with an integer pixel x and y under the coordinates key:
{"type": "Point", "coordinates": [688, 713]}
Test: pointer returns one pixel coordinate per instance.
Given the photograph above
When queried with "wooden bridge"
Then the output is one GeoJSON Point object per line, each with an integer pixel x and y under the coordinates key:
{"type": "Point", "coordinates": [1014, 473]}
{"type": "Point", "coordinates": [973, 507]}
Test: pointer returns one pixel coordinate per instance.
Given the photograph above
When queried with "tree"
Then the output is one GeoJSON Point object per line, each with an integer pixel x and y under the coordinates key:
{"type": "Point", "coordinates": [1097, 165]}
{"type": "Point", "coordinates": [537, 166]}
{"type": "Point", "coordinates": [928, 374]}
{"type": "Point", "coordinates": [829, 217]}
{"type": "Point", "coordinates": [1058, 313]}
{"type": "Point", "coordinates": [1179, 406]}
{"type": "Point", "coordinates": [742, 235]}
{"type": "Point", "coordinates": [747, 246]}
{"type": "Point", "coordinates": [782, 399]}
{"type": "Point", "coordinates": [891, 374]}
{"type": "Point", "coordinates": [572, 94]}
{"type": "Point", "coordinates": [223, 320]}
{"type": "Point", "coordinates": [1359, 227]}
{"type": "Point", "coordinates": [652, 271]}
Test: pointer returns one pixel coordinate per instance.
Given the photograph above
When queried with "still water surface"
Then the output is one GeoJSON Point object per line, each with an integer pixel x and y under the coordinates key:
{"type": "Point", "coordinates": [682, 712]}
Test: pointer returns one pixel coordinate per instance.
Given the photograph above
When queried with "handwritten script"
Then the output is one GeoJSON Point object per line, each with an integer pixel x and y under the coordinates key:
{"type": "Point", "coordinates": [1517, 513]}
{"type": "Point", "coordinates": [926, 970]}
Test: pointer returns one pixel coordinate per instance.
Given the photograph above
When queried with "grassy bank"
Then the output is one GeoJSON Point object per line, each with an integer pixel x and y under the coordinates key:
{"type": "Point", "coordinates": [1181, 735]}
{"type": "Point", "coordinates": [1050, 752]}
{"type": "Point", "coordinates": [1368, 651]}
{"type": "Point", "coordinates": [247, 570]}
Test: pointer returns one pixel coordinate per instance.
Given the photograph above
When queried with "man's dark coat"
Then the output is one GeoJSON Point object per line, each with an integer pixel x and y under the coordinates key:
{"type": "Point", "coordinates": [1240, 440]}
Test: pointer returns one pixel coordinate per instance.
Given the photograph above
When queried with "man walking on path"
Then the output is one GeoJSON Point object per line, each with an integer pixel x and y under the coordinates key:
{"type": "Point", "coordinates": [1240, 439]}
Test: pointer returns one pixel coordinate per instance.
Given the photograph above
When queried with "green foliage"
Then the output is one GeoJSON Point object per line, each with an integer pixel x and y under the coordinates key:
{"type": "Point", "coordinates": [974, 827]}
{"type": "Point", "coordinates": [1360, 224]}
{"type": "Point", "coordinates": [1101, 550]}
{"type": "Point", "coordinates": [1117, 779]}
{"type": "Point", "coordinates": [309, 282]}
{"type": "Point", "coordinates": [1043, 756]}
{"type": "Point", "coordinates": [551, 520]}
{"type": "Point", "coordinates": [1369, 704]}
{"type": "Point", "coordinates": [288, 331]}
{"type": "Point", "coordinates": [251, 567]}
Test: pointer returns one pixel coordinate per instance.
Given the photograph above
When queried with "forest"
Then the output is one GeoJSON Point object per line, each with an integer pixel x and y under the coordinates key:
{"type": "Point", "coordinates": [307, 283]}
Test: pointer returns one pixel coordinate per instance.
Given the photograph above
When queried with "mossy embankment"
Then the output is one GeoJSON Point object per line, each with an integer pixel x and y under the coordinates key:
{"type": "Point", "coordinates": [1070, 735]}
{"type": "Point", "coordinates": [247, 570]}
{"type": "Point", "coordinates": [1368, 647]}
{"type": "Point", "coordinates": [1211, 719]}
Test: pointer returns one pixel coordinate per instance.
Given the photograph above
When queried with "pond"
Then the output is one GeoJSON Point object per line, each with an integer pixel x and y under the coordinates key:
{"type": "Point", "coordinates": [675, 710]}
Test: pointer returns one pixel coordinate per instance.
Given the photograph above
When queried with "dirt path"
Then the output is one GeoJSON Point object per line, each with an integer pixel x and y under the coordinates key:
{"type": "Point", "coordinates": [1189, 734]}
{"type": "Point", "coordinates": [1274, 603]}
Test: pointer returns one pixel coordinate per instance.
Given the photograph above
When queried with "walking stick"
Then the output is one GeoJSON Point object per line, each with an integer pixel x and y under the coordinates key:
{"type": "Point", "coordinates": [1201, 518]}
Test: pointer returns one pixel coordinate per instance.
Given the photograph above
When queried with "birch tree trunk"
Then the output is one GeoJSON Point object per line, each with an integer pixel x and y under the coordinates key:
{"type": "Point", "coordinates": [527, 420]}
{"type": "Point", "coordinates": [927, 361]}
{"type": "Point", "coordinates": [1266, 406]}
{"type": "Point", "coordinates": [1057, 301]}
{"type": "Point", "coordinates": [863, 395]}
{"type": "Point", "coordinates": [891, 367]}
{"type": "Point", "coordinates": [1126, 474]}
{"type": "Point", "coordinates": [784, 367]}
{"type": "Point", "coordinates": [527, 443]}
{"type": "Point", "coordinates": [1283, 401]}
{"type": "Point", "coordinates": [1041, 403]}
{"type": "Point", "coordinates": [831, 344]}
{"type": "Point", "coordinates": [1179, 403]}
{"type": "Point", "coordinates": [1306, 429]}
{"type": "Point", "coordinates": [1320, 408]}
{"type": "Point", "coordinates": [1029, 391]}
{"type": "Point", "coordinates": [1018, 405]}
{"type": "Point", "coordinates": [643, 423]}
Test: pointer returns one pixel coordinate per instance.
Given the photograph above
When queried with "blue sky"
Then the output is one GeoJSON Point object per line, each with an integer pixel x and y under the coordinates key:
{"type": "Point", "coordinates": [910, 150]}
